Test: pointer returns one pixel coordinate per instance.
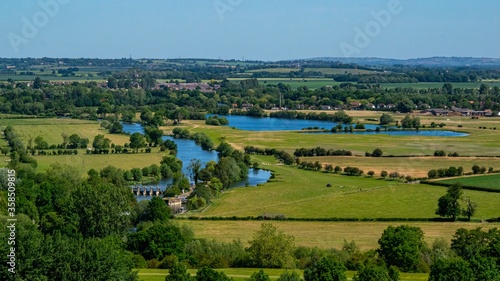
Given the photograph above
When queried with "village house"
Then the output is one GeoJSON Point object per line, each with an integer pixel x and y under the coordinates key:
{"type": "Point", "coordinates": [175, 204]}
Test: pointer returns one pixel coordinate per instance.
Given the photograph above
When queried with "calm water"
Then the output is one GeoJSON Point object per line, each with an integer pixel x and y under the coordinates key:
{"type": "Point", "coordinates": [188, 150]}
{"type": "Point", "coordinates": [277, 124]}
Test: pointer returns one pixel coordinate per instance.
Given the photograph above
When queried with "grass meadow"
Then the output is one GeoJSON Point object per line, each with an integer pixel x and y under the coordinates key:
{"type": "Point", "coordinates": [52, 129]}
{"type": "Point", "coordinates": [297, 193]}
{"type": "Point", "coordinates": [489, 181]}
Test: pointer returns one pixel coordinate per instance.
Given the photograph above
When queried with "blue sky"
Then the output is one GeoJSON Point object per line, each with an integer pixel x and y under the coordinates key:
{"type": "Point", "coordinates": [253, 29]}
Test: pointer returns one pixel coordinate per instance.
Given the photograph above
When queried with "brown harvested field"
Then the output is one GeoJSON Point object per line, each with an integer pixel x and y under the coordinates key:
{"type": "Point", "coordinates": [413, 166]}
{"type": "Point", "coordinates": [324, 234]}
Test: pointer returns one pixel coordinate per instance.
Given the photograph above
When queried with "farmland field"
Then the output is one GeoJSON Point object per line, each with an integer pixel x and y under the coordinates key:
{"type": "Point", "coordinates": [299, 193]}
{"type": "Point", "coordinates": [324, 235]}
{"type": "Point", "coordinates": [488, 181]}
{"type": "Point", "coordinates": [413, 166]}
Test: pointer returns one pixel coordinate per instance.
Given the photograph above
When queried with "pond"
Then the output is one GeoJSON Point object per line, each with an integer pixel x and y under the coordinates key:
{"type": "Point", "coordinates": [279, 124]}
{"type": "Point", "coordinates": [187, 150]}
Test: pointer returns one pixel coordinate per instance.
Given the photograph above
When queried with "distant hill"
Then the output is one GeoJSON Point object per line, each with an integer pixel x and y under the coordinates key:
{"type": "Point", "coordinates": [427, 62]}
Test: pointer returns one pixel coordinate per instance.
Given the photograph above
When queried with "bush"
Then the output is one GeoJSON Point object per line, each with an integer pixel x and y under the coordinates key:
{"type": "Point", "coordinates": [439, 153]}
{"type": "Point", "coordinates": [377, 152]}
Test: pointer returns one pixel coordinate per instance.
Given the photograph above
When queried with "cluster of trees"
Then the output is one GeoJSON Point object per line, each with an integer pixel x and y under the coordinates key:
{"type": "Point", "coordinates": [18, 152]}
{"type": "Point", "coordinates": [339, 116]}
{"type": "Point", "coordinates": [216, 121]}
{"type": "Point", "coordinates": [441, 173]}
{"type": "Point", "coordinates": [282, 155]}
{"type": "Point", "coordinates": [320, 151]}
{"type": "Point", "coordinates": [385, 119]}
{"type": "Point", "coordinates": [377, 152]}
{"type": "Point", "coordinates": [200, 138]}
{"type": "Point", "coordinates": [410, 122]}
{"type": "Point", "coordinates": [353, 171]}
{"type": "Point", "coordinates": [442, 153]}
{"type": "Point", "coordinates": [449, 204]}
{"type": "Point", "coordinates": [55, 152]}
{"type": "Point", "coordinates": [480, 170]}
{"type": "Point", "coordinates": [114, 127]}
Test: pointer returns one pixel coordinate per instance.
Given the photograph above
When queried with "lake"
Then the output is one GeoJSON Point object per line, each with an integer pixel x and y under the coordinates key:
{"type": "Point", "coordinates": [188, 150]}
{"type": "Point", "coordinates": [279, 124]}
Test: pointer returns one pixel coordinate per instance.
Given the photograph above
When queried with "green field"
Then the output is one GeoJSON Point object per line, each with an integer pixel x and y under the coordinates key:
{"type": "Point", "coordinates": [299, 193]}
{"type": "Point", "coordinates": [240, 274]}
{"type": "Point", "coordinates": [334, 71]}
{"type": "Point", "coordinates": [488, 181]}
{"type": "Point", "coordinates": [275, 70]}
{"type": "Point", "coordinates": [52, 129]}
{"type": "Point", "coordinates": [83, 162]}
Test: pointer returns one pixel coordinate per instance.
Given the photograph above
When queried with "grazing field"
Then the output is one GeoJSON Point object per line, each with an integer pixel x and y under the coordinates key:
{"type": "Point", "coordinates": [324, 235]}
{"type": "Point", "coordinates": [51, 129]}
{"type": "Point", "coordinates": [488, 181]}
{"type": "Point", "coordinates": [83, 163]}
{"type": "Point", "coordinates": [334, 71]}
{"type": "Point", "coordinates": [412, 166]}
{"type": "Point", "coordinates": [274, 70]}
{"type": "Point", "coordinates": [240, 274]}
{"type": "Point", "coordinates": [297, 193]}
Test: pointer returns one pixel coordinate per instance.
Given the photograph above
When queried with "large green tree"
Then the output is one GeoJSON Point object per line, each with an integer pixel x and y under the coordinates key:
{"type": "Point", "coordinates": [157, 210]}
{"type": "Point", "coordinates": [137, 141]}
{"type": "Point", "coordinates": [272, 248]}
{"type": "Point", "coordinates": [158, 241]}
{"type": "Point", "coordinates": [449, 204]}
{"type": "Point", "coordinates": [102, 208]}
{"type": "Point", "coordinates": [401, 246]}
{"type": "Point", "coordinates": [386, 119]}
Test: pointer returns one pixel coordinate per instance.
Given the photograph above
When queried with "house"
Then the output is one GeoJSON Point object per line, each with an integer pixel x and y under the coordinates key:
{"type": "Point", "coordinates": [370, 106]}
{"type": "Point", "coordinates": [356, 105]}
{"type": "Point", "coordinates": [326, 107]}
{"type": "Point", "coordinates": [246, 105]}
{"type": "Point", "coordinates": [175, 204]}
